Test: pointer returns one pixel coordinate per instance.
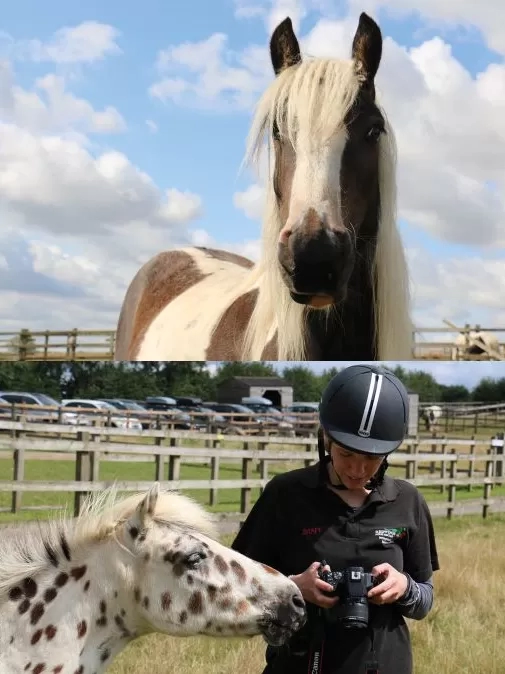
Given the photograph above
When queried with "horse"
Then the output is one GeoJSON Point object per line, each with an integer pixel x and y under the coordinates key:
{"type": "Point", "coordinates": [477, 345]}
{"type": "Point", "coordinates": [331, 281]}
{"type": "Point", "coordinates": [75, 591]}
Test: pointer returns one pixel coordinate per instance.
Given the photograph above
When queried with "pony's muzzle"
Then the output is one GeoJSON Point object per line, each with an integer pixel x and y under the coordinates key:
{"type": "Point", "coordinates": [316, 263]}
{"type": "Point", "coordinates": [284, 619]}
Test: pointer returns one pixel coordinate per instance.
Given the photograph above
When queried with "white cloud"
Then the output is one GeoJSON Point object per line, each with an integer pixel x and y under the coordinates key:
{"type": "Point", "coordinates": [57, 185]}
{"type": "Point", "coordinates": [152, 126]}
{"type": "Point", "coordinates": [50, 107]}
{"type": "Point", "coordinates": [251, 201]}
{"type": "Point", "coordinates": [209, 74]}
{"type": "Point", "coordinates": [76, 220]}
{"type": "Point", "coordinates": [87, 42]}
{"type": "Point", "coordinates": [488, 16]}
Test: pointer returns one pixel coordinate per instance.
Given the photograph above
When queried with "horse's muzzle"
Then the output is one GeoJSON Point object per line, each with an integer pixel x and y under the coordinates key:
{"type": "Point", "coordinates": [317, 267]}
{"type": "Point", "coordinates": [283, 620]}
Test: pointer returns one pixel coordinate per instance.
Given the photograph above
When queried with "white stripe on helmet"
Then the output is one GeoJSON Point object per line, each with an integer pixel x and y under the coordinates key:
{"type": "Point", "coordinates": [371, 405]}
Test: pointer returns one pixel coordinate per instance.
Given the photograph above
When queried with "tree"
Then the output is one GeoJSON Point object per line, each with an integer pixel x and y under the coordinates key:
{"type": "Point", "coordinates": [307, 386]}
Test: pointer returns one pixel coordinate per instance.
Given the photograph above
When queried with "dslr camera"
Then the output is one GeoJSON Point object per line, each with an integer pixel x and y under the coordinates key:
{"type": "Point", "coordinates": [351, 586]}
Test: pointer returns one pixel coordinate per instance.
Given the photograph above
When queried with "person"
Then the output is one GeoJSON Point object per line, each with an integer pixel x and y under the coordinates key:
{"type": "Point", "coordinates": [344, 511]}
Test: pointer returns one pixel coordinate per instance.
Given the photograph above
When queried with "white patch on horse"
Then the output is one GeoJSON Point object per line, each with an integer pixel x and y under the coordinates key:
{"type": "Point", "coordinates": [319, 168]}
{"type": "Point", "coordinates": [176, 333]}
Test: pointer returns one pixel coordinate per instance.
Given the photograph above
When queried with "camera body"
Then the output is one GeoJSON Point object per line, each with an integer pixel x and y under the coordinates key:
{"type": "Point", "coordinates": [351, 585]}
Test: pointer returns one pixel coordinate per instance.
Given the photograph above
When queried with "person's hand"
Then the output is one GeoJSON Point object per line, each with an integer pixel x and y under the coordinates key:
{"type": "Point", "coordinates": [393, 586]}
{"type": "Point", "coordinates": [312, 587]}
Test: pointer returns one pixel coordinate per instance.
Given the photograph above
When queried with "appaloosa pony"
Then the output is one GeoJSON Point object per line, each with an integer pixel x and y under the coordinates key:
{"type": "Point", "coordinates": [74, 593]}
{"type": "Point", "coordinates": [331, 282]}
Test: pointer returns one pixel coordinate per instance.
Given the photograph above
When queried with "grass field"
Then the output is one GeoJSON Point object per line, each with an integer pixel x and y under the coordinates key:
{"type": "Point", "coordinates": [463, 633]}
{"type": "Point", "coordinates": [228, 500]}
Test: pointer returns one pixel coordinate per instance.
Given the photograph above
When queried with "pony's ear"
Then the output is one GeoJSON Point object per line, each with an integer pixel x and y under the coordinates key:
{"type": "Point", "coordinates": [367, 49]}
{"type": "Point", "coordinates": [145, 509]}
{"type": "Point", "coordinates": [284, 47]}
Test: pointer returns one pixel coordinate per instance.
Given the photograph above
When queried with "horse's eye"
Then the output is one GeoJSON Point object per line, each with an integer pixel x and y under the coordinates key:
{"type": "Point", "coordinates": [374, 132]}
{"type": "Point", "coordinates": [195, 558]}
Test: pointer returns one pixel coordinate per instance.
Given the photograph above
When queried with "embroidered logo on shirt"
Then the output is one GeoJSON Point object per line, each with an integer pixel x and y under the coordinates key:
{"type": "Point", "coordinates": [388, 536]}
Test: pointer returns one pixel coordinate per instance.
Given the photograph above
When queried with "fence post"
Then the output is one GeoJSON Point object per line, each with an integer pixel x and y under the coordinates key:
{"type": "Point", "coordinates": [214, 473]}
{"type": "Point", "coordinates": [487, 488]}
{"type": "Point", "coordinates": [159, 460]}
{"type": "Point", "coordinates": [84, 468]}
{"type": "Point", "coordinates": [19, 476]}
{"type": "Point", "coordinates": [245, 492]}
{"type": "Point", "coordinates": [471, 466]}
{"type": "Point", "coordinates": [497, 443]}
{"type": "Point", "coordinates": [262, 464]}
{"type": "Point", "coordinates": [443, 464]}
{"type": "Point", "coordinates": [24, 343]}
{"type": "Point", "coordinates": [411, 465]}
{"type": "Point", "coordinates": [453, 472]}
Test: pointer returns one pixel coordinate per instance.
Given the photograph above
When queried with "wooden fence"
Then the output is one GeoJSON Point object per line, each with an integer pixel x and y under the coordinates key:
{"type": "Point", "coordinates": [57, 345]}
{"type": "Point", "coordinates": [76, 344]}
{"type": "Point", "coordinates": [441, 465]}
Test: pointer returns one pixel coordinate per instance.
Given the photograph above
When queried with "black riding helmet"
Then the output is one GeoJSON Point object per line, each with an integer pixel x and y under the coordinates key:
{"type": "Point", "coordinates": [365, 409]}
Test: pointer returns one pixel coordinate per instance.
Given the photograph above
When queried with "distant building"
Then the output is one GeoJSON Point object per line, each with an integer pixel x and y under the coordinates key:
{"type": "Point", "coordinates": [276, 389]}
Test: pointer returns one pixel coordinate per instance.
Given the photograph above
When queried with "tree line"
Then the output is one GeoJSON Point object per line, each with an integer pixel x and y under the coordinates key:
{"type": "Point", "coordinates": [92, 379]}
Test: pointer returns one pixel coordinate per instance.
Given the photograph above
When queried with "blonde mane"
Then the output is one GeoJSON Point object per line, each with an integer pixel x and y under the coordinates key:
{"type": "Point", "coordinates": [24, 547]}
{"type": "Point", "coordinates": [301, 107]}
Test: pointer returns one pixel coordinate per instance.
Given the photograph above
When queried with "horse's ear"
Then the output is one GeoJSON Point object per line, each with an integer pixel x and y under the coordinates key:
{"type": "Point", "coordinates": [146, 508]}
{"type": "Point", "coordinates": [284, 47]}
{"type": "Point", "coordinates": [367, 49]}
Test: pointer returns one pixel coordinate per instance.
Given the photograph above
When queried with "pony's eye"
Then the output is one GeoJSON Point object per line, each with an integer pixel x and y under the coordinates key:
{"type": "Point", "coordinates": [374, 132]}
{"type": "Point", "coordinates": [195, 558]}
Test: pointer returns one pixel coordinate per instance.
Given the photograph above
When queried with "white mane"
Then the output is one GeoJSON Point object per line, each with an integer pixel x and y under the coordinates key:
{"type": "Point", "coordinates": [300, 106]}
{"type": "Point", "coordinates": [24, 547]}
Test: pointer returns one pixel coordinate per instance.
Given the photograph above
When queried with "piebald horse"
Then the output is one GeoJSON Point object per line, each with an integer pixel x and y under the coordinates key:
{"type": "Point", "coordinates": [332, 280]}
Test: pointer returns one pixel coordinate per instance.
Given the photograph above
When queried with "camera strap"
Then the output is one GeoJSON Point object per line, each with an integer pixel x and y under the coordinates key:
{"type": "Point", "coordinates": [317, 650]}
{"type": "Point", "coordinates": [317, 646]}
{"type": "Point", "coordinates": [372, 666]}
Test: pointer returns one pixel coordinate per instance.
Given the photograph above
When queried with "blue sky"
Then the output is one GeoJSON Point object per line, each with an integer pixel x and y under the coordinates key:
{"type": "Point", "coordinates": [197, 146]}
{"type": "Point", "coordinates": [468, 374]}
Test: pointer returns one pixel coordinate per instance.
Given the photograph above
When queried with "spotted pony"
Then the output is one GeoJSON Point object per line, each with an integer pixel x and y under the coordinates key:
{"type": "Point", "coordinates": [75, 592]}
{"type": "Point", "coordinates": [331, 282]}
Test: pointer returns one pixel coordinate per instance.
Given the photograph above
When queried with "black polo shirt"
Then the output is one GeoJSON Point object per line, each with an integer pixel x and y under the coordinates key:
{"type": "Point", "coordinates": [297, 520]}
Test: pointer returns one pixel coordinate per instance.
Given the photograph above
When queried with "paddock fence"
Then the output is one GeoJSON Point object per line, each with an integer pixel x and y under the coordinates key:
{"type": "Point", "coordinates": [434, 343]}
{"type": "Point", "coordinates": [446, 469]}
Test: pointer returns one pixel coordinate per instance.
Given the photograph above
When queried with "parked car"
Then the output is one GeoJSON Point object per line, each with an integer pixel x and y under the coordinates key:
{"type": "Point", "coordinates": [203, 417]}
{"type": "Point", "coordinates": [306, 417]}
{"type": "Point", "coordinates": [9, 398]}
{"type": "Point", "coordinates": [144, 416]}
{"type": "Point", "coordinates": [99, 408]}
{"type": "Point", "coordinates": [242, 417]}
{"type": "Point", "coordinates": [180, 419]}
{"type": "Point", "coordinates": [266, 408]}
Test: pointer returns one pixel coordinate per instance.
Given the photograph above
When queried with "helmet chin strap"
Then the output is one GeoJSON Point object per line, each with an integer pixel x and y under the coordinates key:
{"type": "Point", "coordinates": [340, 486]}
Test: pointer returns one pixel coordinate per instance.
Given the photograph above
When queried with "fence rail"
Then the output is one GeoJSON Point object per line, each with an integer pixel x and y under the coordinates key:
{"type": "Point", "coordinates": [443, 465]}
{"type": "Point", "coordinates": [76, 344]}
